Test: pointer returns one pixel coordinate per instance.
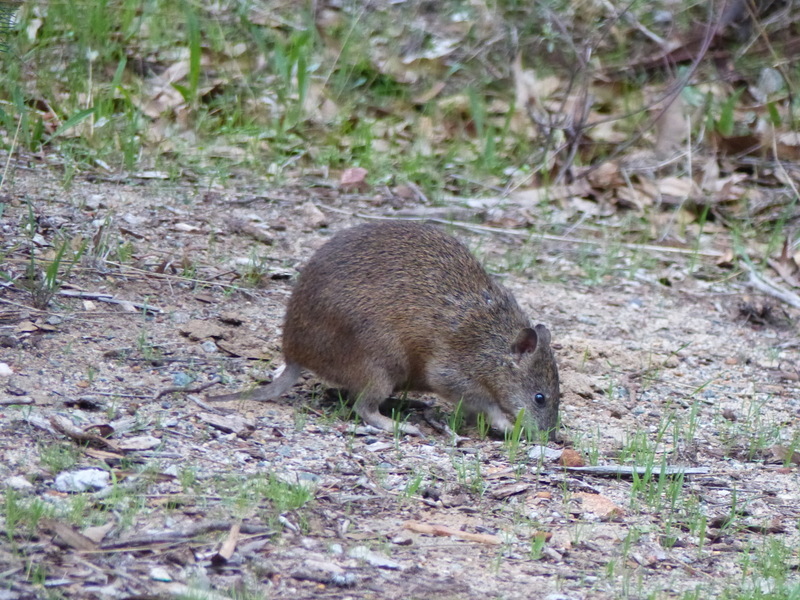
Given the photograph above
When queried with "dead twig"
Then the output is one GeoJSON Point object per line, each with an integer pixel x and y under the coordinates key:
{"type": "Point", "coordinates": [12, 401]}
{"type": "Point", "coordinates": [524, 233]}
{"type": "Point", "coordinates": [628, 471]}
{"type": "Point", "coordinates": [174, 537]}
{"type": "Point", "coordinates": [443, 530]}
{"type": "Point", "coordinates": [65, 426]}
{"type": "Point", "coordinates": [109, 299]}
{"type": "Point", "coordinates": [764, 284]}
{"type": "Point", "coordinates": [188, 390]}
{"type": "Point", "coordinates": [229, 545]}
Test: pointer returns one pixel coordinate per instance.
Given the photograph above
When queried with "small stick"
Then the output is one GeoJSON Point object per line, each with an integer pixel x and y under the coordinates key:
{"type": "Point", "coordinates": [769, 287]}
{"type": "Point", "coordinates": [523, 233]}
{"type": "Point", "coordinates": [108, 298]}
{"type": "Point", "coordinates": [443, 530]}
{"type": "Point", "coordinates": [187, 390]}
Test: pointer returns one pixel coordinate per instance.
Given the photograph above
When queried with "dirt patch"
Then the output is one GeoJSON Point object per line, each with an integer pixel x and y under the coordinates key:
{"type": "Point", "coordinates": [652, 374]}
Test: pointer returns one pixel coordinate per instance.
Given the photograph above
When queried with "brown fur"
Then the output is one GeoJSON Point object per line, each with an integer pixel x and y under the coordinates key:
{"type": "Point", "coordinates": [400, 306]}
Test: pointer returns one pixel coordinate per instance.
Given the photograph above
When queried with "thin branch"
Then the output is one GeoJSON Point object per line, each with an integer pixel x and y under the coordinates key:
{"type": "Point", "coordinates": [771, 288]}
{"type": "Point", "coordinates": [527, 234]}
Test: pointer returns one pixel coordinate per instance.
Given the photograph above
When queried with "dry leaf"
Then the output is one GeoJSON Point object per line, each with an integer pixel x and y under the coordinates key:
{"type": "Point", "coordinates": [197, 330]}
{"type": "Point", "coordinates": [141, 442]}
{"type": "Point", "coordinates": [234, 423]}
{"type": "Point", "coordinates": [782, 454]}
{"type": "Point", "coordinates": [633, 197]}
{"type": "Point", "coordinates": [244, 348]}
{"type": "Point", "coordinates": [255, 231]}
{"type": "Point", "coordinates": [228, 546]}
{"type": "Point", "coordinates": [68, 535]}
{"type": "Point", "coordinates": [26, 327]}
{"type": "Point", "coordinates": [429, 94]}
{"type": "Point", "coordinates": [313, 217]}
{"type": "Point", "coordinates": [442, 530]}
{"type": "Point", "coordinates": [678, 187]}
{"type": "Point", "coordinates": [605, 176]}
{"type": "Point", "coordinates": [787, 145]}
{"type": "Point", "coordinates": [353, 178]}
{"type": "Point", "coordinates": [710, 180]}
{"type": "Point", "coordinates": [65, 426]}
{"type": "Point", "coordinates": [98, 533]}
{"type": "Point", "coordinates": [511, 489]}
{"type": "Point", "coordinates": [103, 454]}
{"type": "Point", "coordinates": [671, 129]}
{"type": "Point", "coordinates": [531, 90]}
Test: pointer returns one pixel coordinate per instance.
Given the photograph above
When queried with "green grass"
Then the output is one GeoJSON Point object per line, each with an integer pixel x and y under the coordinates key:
{"type": "Point", "coordinates": [468, 473]}
{"type": "Point", "coordinates": [269, 496]}
{"type": "Point", "coordinates": [281, 91]}
{"type": "Point", "coordinates": [58, 457]}
{"type": "Point", "coordinates": [21, 515]}
{"type": "Point", "coordinates": [262, 94]}
{"type": "Point", "coordinates": [754, 432]}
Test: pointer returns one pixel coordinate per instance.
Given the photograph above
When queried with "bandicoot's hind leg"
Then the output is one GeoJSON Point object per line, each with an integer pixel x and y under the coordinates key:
{"type": "Point", "coordinates": [369, 400]}
{"type": "Point", "coordinates": [291, 373]}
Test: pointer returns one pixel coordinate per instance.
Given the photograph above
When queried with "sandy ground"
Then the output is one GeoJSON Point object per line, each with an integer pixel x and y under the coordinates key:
{"type": "Point", "coordinates": [687, 370]}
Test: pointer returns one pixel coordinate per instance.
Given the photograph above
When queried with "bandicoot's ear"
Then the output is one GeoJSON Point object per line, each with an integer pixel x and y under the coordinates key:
{"type": "Point", "coordinates": [544, 335]}
{"type": "Point", "coordinates": [529, 339]}
{"type": "Point", "coordinates": [526, 341]}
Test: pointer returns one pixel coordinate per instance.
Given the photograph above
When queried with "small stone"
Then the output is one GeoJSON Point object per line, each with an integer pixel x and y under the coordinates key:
{"type": "Point", "coordinates": [231, 318]}
{"type": "Point", "coordinates": [354, 179]}
{"type": "Point", "coordinates": [336, 549]}
{"type": "Point", "coordinates": [19, 483]}
{"type": "Point", "coordinates": [344, 579]}
{"type": "Point", "coordinates": [403, 540]}
{"type": "Point", "coordinates": [159, 574]}
{"type": "Point", "coordinates": [209, 347]}
{"type": "Point", "coordinates": [374, 559]}
{"type": "Point", "coordinates": [571, 458]}
{"type": "Point", "coordinates": [94, 202]}
{"type": "Point", "coordinates": [8, 341]}
{"type": "Point", "coordinates": [544, 453]}
{"type": "Point", "coordinates": [314, 218]}
{"type": "Point", "coordinates": [84, 480]}
{"type": "Point", "coordinates": [578, 383]}
{"type": "Point", "coordinates": [303, 477]}
{"type": "Point", "coordinates": [181, 379]}
{"type": "Point", "coordinates": [197, 330]}
{"type": "Point", "coordinates": [5, 370]}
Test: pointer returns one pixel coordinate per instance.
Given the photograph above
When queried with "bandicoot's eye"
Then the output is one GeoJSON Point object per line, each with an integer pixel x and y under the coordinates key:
{"type": "Point", "coordinates": [540, 399]}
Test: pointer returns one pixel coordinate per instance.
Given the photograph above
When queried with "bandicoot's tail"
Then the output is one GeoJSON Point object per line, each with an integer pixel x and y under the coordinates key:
{"type": "Point", "coordinates": [279, 386]}
{"type": "Point", "coordinates": [284, 381]}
